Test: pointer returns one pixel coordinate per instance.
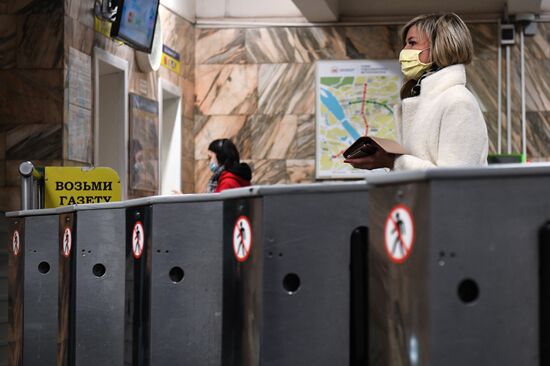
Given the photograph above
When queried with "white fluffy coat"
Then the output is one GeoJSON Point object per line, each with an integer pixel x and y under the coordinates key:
{"type": "Point", "coordinates": [443, 126]}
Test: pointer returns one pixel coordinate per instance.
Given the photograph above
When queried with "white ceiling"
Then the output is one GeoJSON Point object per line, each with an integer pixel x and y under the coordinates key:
{"type": "Point", "coordinates": [345, 10]}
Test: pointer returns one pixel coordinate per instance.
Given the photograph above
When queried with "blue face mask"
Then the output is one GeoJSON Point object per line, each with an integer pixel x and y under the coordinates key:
{"type": "Point", "coordinates": [213, 166]}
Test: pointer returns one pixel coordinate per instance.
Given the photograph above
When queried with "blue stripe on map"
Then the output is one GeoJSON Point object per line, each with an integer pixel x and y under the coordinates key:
{"type": "Point", "coordinates": [330, 101]}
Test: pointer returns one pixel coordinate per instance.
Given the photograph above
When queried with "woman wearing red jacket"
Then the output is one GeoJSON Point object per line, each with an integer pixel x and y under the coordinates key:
{"type": "Point", "coordinates": [228, 171]}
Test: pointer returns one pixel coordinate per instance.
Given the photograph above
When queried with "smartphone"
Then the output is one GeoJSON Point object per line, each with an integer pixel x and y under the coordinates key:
{"type": "Point", "coordinates": [363, 146]}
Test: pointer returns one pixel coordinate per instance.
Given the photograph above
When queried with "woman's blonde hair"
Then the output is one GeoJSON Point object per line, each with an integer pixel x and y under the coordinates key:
{"type": "Point", "coordinates": [449, 37]}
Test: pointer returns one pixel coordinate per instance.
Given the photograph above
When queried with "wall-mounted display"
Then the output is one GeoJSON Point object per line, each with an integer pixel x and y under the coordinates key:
{"type": "Point", "coordinates": [354, 98]}
{"type": "Point", "coordinates": [144, 143]}
{"type": "Point", "coordinates": [135, 23]}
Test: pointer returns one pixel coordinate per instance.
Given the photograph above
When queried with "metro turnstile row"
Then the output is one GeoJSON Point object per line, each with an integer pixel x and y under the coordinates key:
{"type": "Point", "coordinates": [240, 278]}
{"type": "Point", "coordinates": [450, 272]}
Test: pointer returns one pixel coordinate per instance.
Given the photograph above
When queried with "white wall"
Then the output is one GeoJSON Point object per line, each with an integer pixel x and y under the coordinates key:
{"type": "Point", "coordinates": [184, 8]}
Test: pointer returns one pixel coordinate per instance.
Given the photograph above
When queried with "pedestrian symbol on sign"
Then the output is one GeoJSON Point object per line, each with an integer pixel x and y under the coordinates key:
{"type": "Point", "coordinates": [67, 242]}
{"type": "Point", "coordinates": [242, 238]}
{"type": "Point", "coordinates": [399, 233]}
{"type": "Point", "coordinates": [138, 238]}
{"type": "Point", "coordinates": [16, 242]}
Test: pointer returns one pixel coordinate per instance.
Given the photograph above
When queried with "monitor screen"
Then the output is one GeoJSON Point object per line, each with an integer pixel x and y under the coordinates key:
{"type": "Point", "coordinates": [135, 23]}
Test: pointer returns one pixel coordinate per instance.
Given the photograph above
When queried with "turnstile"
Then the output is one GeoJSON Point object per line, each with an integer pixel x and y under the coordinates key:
{"type": "Point", "coordinates": [40, 287]}
{"type": "Point", "coordinates": [289, 275]}
{"type": "Point", "coordinates": [458, 267]}
{"type": "Point", "coordinates": [66, 301]}
{"type": "Point", "coordinates": [174, 280]}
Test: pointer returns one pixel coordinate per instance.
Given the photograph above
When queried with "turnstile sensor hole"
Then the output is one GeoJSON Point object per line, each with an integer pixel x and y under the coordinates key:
{"type": "Point", "coordinates": [99, 270]}
{"type": "Point", "coordinates": [291, 283]}
{"type": "Point", "coordinates": [43, 267]}
{"type": "Point", "coordinates": [176, 274]}
{"type": "Point", "coordinates": [270, 255]}
{"type": "Point", "coordinates": [158, 250]}
{"type": "Point", "coordinates": [468, 291]}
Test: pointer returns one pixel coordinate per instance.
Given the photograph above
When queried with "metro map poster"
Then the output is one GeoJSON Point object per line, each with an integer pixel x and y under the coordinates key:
{"type": "Point", "coordinates": [354, 98]}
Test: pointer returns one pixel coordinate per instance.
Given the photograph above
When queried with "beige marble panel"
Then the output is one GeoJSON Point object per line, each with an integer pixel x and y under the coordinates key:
{"type": "Point", "coordinates": [319, 43]}
{"type": "Point", "coordinates": [537, 84]}
{"type": "Point", "coordinates": [202, 175]}
{"type": "Point", "coordinates": [286, 89]}
{"type": "Point", "coordinates": [178, 34]}
{"type": "Point", "coordinates": [8, 41]}
{"type": "Point", "coordinates": [187, 172]}
{"type": "Point", "coordinates": [272, 136]}
{"type": "Point", "coordinates": [220, 46]}
{"type": "Point", "coordinates": [269, 172]}
{"type": "Point", "coordinates": [481, 76]}
{"type": "Point", "coordinates": [485, 38]}
{"type": "Point", "coordinates": [538, 133]}
{"type": "Point", "coordinates": [40, 40]}
{"type": "Point", "coordinates": [187, 139]}
{"type": "Point", "coordinates": [216, 127]}
{"type": "Point", "coordinates": [188, 94]}
{"type": "Point", "coordinates": [270, 45]}
{"type": "Point", "coordinates": [222, 90]}
{"type": "Point", "coordinates": [303, 145]}
{"type": "Point", "coordinates": [538, 46]}
{"type": "Point", "coordinates": [31, 96]}
{"type": "Point", "coordinates": [372, 42]}
{"type": "Point", "coordinates": [301, 171]}
{"type": "Point", "coordinates": [78, 36]}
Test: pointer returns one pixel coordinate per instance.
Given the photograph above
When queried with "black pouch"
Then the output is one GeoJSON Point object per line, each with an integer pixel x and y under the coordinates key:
{"type": "Point", "coordinates": [363, 146]}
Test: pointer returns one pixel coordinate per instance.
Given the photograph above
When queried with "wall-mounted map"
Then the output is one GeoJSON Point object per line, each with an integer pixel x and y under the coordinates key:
{"type": "Point", "coordinates": [354, 98]}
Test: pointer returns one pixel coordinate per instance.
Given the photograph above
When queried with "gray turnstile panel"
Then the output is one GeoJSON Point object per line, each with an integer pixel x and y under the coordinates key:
{"type": "Point", "coordinates": [99, 296]}
{"type": "Point", "coordinates": [36, 332]}
{"type": "Point", "coordinates": [186, 283]}
{"type": "Point", "coordinates": [287, 296]}
{"type": "Point", "coordinates": [173, 287]}
{"type": "Point", "coordinates": [468, 291]}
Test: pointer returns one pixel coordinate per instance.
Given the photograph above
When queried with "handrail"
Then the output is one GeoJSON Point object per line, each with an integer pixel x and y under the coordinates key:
{"type": "Point", "coordinates": [32, 186]}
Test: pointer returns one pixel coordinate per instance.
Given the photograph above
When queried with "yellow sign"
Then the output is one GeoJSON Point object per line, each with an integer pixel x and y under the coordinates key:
{"type": "Point", "coordinates": [103, 27]}
{"type": "Point", "coordinates": [65, 186]}
{"type": "Point", "coordinates": [170, 59]}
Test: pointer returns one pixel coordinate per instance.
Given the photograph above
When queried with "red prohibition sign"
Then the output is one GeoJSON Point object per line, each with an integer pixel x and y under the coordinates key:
{"type": "Point", "coordinates": [399, 233]}
{"type": "Point", "coordinates": [242, 238]}
{"type": "Point", "coordinates": [16, 243]}
{"type": "Point", "coordinates": [138, 239]}
{"type": "Point", "coordinates": [67, 242]}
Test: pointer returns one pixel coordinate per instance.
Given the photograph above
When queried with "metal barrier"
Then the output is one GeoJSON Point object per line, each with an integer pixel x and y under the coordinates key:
{"type": "Point", "coordinates": [32, 186]}
{"type": "Point", "coordinates": [287, 277]}
{"type": "Point", "coordinates": [174, 280]}
{"type": "Point", "coordinates": [39, 289]}
{"type": "Point", "coordinates": [454, 267]}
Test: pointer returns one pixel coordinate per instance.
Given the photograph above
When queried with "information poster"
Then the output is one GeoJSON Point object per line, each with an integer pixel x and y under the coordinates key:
{"type": "Point", "coordinates": [354, 98]}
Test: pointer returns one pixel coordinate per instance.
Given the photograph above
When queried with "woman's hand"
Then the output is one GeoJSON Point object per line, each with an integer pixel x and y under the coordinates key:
{"type": "Point", "coordinates": [380, 159]}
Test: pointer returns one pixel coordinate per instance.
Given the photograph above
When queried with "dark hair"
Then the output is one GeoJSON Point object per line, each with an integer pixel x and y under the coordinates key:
{"type": "Point", "coordinates": [226, 152]}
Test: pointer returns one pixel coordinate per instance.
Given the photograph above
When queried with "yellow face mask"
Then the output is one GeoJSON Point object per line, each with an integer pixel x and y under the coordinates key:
{"type": "Point", "coordinates": [411, 66]}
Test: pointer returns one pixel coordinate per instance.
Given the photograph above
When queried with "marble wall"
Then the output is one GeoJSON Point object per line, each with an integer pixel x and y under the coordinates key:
{"type": "Point", "coordinates": [46, 110]}
{"type": "Point", "coordinates": [178, 34]}
{"type": "Point", "coordinates": [253, 85]}
{"type": "Point", "coordinates": [256, 86]}
{"type": "Point", "coordinates": [31, 89]}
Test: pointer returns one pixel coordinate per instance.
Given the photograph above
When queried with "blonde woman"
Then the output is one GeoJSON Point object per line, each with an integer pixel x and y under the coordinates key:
{"type": "Point", "coordinates": [439, 122]}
